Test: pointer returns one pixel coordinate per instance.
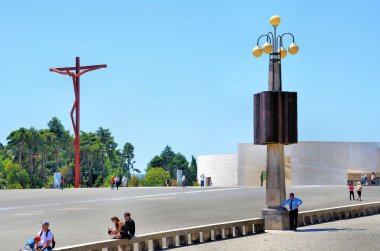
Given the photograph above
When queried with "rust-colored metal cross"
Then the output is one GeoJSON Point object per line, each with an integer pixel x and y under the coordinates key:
{"type": "Point", "coordinates": [79, 70]}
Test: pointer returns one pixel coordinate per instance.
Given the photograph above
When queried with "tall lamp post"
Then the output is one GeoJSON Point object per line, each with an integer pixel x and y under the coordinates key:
{"type": "Point", "coordinates": [75, 73]}
{"type": "Point", "coordinates": [275, 123]}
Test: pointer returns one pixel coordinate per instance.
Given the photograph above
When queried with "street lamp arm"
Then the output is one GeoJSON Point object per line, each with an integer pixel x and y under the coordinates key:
{"type": "Point", "coordinates": [287, 33]}
{"type": "Point", "coordinates": [265, 35]}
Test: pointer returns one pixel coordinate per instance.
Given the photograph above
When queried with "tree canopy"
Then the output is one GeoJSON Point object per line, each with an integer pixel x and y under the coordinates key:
{"type": "Point", "coordinates": [31, 156]}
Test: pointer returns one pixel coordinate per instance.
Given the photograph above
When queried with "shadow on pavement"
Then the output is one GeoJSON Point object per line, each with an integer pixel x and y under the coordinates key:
{"type": "Point", "coordinates": [327, 230]}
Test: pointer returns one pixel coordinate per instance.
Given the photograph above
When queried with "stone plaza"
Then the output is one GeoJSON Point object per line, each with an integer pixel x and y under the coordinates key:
{"type": "Point", "coordinates": [88, 211]}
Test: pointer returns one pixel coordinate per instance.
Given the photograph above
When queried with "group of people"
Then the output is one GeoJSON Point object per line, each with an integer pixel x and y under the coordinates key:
{"type": "Point", "coordinates": [116, 182]}
{"type": "Point", "coordinates": [44, 240]}
{"type": "Point", "coordinates": [358, 189]}
{"type": "Point", "coordinates": [364, 179]}
{"type": "Point", "coordinates": [123, 229]}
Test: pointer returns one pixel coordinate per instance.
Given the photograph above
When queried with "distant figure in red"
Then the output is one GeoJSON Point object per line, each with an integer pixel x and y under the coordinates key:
{"type": "Point", "coordinates": [351, 189]}
{"type": "Point", "coordinates": [112, 183]}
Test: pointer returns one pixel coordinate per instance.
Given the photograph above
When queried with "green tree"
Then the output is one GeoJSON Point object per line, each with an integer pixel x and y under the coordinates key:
{"type": "Point", "coordinates": [156, 177]}
{"type": "Point", "coordinates": [17, 141]}
{"type": "Point", "coordinates": [157, 161]}
{"type": "Point", "coordinates": [179, 162]}
{"type": "Point", "coordinates": [192, 171]}
{"type": "Point", "coordinates": [167, 158]}
{"type": "Point", "coordinates": [128, 156]}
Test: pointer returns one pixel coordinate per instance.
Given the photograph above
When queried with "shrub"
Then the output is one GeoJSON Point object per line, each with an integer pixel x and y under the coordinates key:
{"type": "Point", "coordinates": [156, 177]}
{"type": "Point", "coordinates": [134, 181]}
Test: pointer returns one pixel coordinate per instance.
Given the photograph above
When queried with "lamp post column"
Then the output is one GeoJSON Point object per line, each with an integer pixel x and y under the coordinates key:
{"type": "Point", "coordinates": [275, 124]}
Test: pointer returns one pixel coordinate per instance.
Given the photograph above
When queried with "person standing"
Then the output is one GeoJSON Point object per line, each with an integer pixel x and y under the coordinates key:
{"type": "Point", "coordinates": [112, 183]}
{"type": "Point", "coordinates": [293, 204]}
{"type": "Point", "coordinates": [359, 191]}
{"type": "Point", "coordinates": [351, 190]}
{"type": "Point", "coordinates": [373, 179]}
{"type": "Point", "coordinates": [261, 178]}
{"type": "Point", "coordinates": [61, 182]}
{"type": "Point", "coordinates": [183, 181]}
{"type": "Point", "coordinates": [362, 178]}
{"type": "Point", "coordinates": [117, 180]}
{"type": "Point", "coordinates": [365, 179]}
{"type": "Point", "coordinates": [124, 180]}
{"type": "Point", "coordinates": [46, 242]}
{"type": "Point", "coordinates": [202, 180]}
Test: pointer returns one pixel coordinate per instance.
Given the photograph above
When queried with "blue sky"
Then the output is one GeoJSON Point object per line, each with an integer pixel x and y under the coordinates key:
{"type": "Point", "coordinates": [181, 72]}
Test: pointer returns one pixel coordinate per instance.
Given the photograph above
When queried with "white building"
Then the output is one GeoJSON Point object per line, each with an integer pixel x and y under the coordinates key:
{"type": "Point", "coordinates": [306, 163]}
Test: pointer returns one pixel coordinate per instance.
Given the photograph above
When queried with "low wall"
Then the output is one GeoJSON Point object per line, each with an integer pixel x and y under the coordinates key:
{"type": "Point", "coordinates": [200, 234]}
{"type": "Point", "coordinates": [337, 213]}
{"type": "Point", "coordinates": [175, 238]}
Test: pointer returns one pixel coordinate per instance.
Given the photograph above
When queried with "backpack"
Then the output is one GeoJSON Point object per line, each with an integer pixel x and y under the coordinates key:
{"type": "Point", "coordinates": [53, 241]}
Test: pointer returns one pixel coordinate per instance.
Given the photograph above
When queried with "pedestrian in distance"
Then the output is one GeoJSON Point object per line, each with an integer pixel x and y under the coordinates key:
{"type": "Point", "coordinates": [293, 204]}
{"type": "Point", "coordinates": [202, 180]}
{"type": "Point", "coordinates": [46, 242]}
{"type": "Point", "coordinates": [362, 178]}
{"type": "Point", "coordinates": [61, 182]}
{"type": "Point", "coordinates": [373, 179]}
{"type": "Point", "coordinates": [112, 183]}
{"type": "Point", "coordinates": [359, 191]}
{"type": "Point", "coordinates": [184, 181]}
{"type": "Point", "coordinates": [351, 190]}
{"type": "Point", "coordinates": [365, 179]}
{"type": "Point", "coordinates": [261, 178]}
{"type": "Point", "coordinates": [117, 181]}
{"type": "Point", "coordinates": [124, 180]}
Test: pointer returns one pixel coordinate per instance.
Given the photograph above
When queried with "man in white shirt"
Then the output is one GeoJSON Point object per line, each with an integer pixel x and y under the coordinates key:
{"type": "Point", "coordinates": [47, 238]}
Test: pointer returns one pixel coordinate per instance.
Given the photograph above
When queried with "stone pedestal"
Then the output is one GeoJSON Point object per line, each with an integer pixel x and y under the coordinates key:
{"type": "Point", "coordinates": [276, 219]}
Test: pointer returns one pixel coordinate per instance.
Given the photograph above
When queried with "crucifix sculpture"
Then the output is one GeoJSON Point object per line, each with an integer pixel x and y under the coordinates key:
{"type": "Point", "coordinates": [79, 70]}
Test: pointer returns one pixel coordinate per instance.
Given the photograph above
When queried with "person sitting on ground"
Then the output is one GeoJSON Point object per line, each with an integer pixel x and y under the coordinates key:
{"type": "Point", "coordinates": [129, 226]}
{"type": "Point", "coordinates": [46, 242]}
{"type": "Point", "coordinates": [119, 225]}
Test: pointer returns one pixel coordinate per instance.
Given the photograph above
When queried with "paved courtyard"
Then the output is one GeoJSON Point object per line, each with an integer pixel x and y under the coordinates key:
{"type": "Point", "coordinates": [345, 235]}
{"type": "Point", "coordinates": [83, 215]}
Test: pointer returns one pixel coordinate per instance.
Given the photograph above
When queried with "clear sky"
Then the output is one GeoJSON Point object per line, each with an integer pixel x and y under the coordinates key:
{"type": "Point", "coordinates": [181, 72]}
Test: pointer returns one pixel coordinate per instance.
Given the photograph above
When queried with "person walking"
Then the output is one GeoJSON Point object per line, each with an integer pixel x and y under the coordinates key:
{"type": "Point", "coordinates": [365, 179]}
{"type": "Point", "coordinates": [359, 191]}
{"type": "Point", "coordinates": [293, 204]}
{"type": "Point", "coordinates": [184, 181]}
{"type": "Point", "coordinates": [112, 183]}
{"type": "Point", "coordinates": [351, 190]}
{"type": "Point", "coordinates": [261, 178]}
{"type": "Point", "coordinates": [202, 180]}
{"type": "Point", "coordinates": [362, 178]}
{"type": "Point", "coordinates": [117, 181]}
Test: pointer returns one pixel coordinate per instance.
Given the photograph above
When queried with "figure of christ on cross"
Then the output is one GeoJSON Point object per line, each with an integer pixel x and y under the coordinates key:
{"type": "Point", "coordinates": [79, 70]}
